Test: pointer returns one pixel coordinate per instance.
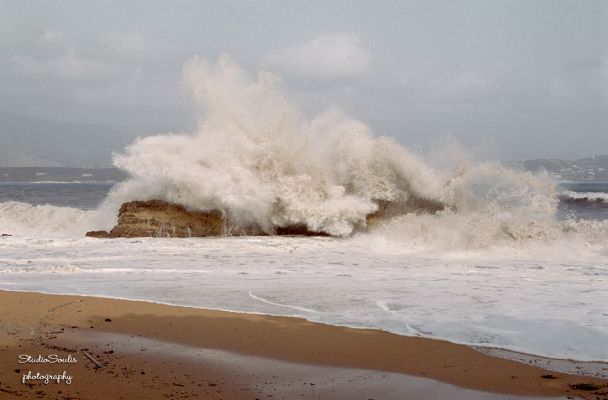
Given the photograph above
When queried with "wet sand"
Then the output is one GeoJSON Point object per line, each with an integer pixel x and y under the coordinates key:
{"type": "Point", "coordinates": [154, 351]}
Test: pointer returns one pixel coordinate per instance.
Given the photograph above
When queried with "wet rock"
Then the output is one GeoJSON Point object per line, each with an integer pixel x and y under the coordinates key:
{"type": "Point", "coordinates": [157, 218]}
{"type": "Point", "coordinates": [98, 234]}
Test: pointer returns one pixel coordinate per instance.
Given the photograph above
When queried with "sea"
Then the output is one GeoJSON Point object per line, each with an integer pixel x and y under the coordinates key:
{"type": "Point", "coordinates": [515, 260]}
{"type": "Point", "coordinates": [544, 296]}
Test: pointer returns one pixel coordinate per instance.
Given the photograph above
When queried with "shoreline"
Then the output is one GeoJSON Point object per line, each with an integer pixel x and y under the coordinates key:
{"type": "Point", "coordinates": [42, 323]}
{"type": "Point", "coordinates": [493, 350]}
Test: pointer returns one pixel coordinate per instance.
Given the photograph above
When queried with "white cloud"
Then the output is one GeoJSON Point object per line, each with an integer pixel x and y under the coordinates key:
{"type": "Point", "coordinates": [336, 56]}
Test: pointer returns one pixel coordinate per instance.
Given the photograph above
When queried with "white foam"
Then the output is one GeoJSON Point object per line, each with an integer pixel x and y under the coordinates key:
{"type": "Point", "coordinates": [257, 158]}
{"type": "Point", "coordinates": [590, 196]}
{"type": "Point", "coordinates": [297, 308]}
{"type": "Point", "coordinates": [21, 267]}
{"type": "Point", "coordinates": [42, 220]}
{"type": "Point", "coordinates": [546, 305]}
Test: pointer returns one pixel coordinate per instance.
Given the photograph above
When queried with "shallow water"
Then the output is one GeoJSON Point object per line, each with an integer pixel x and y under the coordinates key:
{"type": "Point", "coordinates": [552, 307]}
{"type": "Point", "coordinates": [454, 277]}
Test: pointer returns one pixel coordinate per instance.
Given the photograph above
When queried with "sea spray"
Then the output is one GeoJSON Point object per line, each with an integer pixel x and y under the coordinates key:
{"type": "Point", "coordinates": [502, 212]}
{"type": "Point", "coordinates": [256, 158]}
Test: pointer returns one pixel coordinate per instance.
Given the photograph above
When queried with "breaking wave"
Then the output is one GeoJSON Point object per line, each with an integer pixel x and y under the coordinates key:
{"type": "Point", "coordinates": [259, 160]}
{"type": "Point", "coordinates": [47, 220]}
{"type": "Point", "coordinates": [599, 198]}
{"type": "Point", "coordinates": [256, 158]}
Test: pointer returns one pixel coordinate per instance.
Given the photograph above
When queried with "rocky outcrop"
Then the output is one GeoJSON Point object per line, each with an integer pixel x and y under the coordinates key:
{"type": "Point", "coordinates": [415, 205]}
{"type": "Point", "coordinates": [99, 234]}
{"type": "Point", "coordinates": [162, 219]}
{"type": "Point", "coordinates": [156, 218]}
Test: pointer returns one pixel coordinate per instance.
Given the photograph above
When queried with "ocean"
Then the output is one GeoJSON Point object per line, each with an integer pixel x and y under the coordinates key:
{"type": "Point", "coordinates": [84, 196]}
{"type": "Point", "coordinates": [545, 297]}
{"type": "Point", "coordinates": [587, 200]}
{"type": "Point", "coordinates": [514, 260]}
{"type": "Point", "coordinates": [577, 200]}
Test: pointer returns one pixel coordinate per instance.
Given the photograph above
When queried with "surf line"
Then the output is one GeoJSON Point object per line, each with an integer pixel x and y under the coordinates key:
{"type": "Point", "coordinates": [304, 309]}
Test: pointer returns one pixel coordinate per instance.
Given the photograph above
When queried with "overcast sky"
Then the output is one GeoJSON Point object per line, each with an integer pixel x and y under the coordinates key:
{"type": "Point", "coordinates": [516, 79]}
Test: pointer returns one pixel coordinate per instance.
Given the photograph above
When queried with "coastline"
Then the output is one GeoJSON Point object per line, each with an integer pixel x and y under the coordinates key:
{"type": "Point", "coordinates": [121, 336]}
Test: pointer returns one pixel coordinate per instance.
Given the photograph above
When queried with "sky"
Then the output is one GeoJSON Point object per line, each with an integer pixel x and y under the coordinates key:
{"type": "Point", "coordinates": [510, 79]}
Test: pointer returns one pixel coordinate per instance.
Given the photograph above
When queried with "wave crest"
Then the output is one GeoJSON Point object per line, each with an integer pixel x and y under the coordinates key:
{"type": "Point", "coordinates": [256, 158]}
{"type": "Point", "coordinates": [47, 220]}
{"type": "Point", "coordinates": [598, 198]}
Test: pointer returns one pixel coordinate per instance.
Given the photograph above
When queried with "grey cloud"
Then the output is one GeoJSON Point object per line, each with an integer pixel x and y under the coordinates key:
{"type": "Point", "coordinates": [529, 77]}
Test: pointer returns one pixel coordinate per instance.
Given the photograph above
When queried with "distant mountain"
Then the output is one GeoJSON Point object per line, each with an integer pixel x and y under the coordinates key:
{"type": "Point", "coordinates": [33, 142]}
{"type": "Point", "coordinates": [26, 141]}
{"type": "Point", "coordinates": [590, 169]}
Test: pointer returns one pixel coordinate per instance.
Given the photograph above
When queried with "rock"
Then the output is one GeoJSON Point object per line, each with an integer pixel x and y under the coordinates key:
{"type": "Point", "coordinates": [415, 205]}
{"type": "Point", "coordinates": [98, 234]}
{"type": "Point", "coordinates": [157, 218]}
{"type": "Point", "coordinates": [298, 230]}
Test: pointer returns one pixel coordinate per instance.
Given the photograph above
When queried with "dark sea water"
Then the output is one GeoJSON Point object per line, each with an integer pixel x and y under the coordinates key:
{"type": "Point", "coordinates": [577, 200]}
{"type": "Point", "coordinates": [86, 196]}
{"type": "Point", "coordinates": [64, 187]}
{"type": "Point", "coordinates": [584, 200]}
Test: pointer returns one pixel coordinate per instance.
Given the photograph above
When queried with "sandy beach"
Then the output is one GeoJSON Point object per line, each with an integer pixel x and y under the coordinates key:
{"type": "Point", "coordinates": [153, 351]}
{"type": "Point", "coordinates": [297, 200]}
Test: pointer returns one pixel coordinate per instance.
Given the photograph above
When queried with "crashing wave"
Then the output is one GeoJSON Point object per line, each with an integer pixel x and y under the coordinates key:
{"type": "Point", "coordinates": [260, 162]}
{"type": "Point", "coordinates": [255, 158]}
{"type": "Point", "coordinates": [49, 221]}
